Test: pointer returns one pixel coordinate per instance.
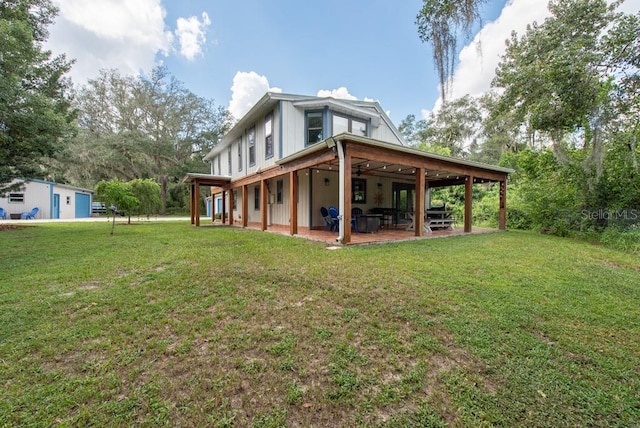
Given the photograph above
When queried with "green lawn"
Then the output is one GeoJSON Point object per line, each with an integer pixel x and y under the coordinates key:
{"type": "Point", "coordinates": [164, 323]}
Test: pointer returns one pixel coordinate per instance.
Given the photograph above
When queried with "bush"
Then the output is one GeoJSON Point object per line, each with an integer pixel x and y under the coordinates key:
{"type": "Point", "coordinates": [622, 239]}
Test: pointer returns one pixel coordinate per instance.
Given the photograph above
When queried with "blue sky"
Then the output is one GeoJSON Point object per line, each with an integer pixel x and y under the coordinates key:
{"type": "Point", "coordinates": [235, 50]}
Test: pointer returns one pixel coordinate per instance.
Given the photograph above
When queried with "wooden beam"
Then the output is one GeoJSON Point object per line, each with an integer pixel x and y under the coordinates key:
{"type": "Point", "coordinates": [245, 205]}
{"type": "Point", "coordinates": [420, 207]}
{"type": "Point", "coordinates": [263, 204]}
{"type": "Point", "coordinates": [293, 203]}
{"type": "Point", "coordinates": [468, 202]}
{"type": "Point", "coordinates": [502, 221]}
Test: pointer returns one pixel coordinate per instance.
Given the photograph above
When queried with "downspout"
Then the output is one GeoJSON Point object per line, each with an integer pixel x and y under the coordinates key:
{"type": "Point", "coordinates": [341, 191]}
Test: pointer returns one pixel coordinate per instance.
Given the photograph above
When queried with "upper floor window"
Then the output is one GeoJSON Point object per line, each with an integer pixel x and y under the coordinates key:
{"type": "Point", "coordinates": [347, 124]}
{"type": "Point", "coordinates": [251, 142]}
{"type": "Point", "coordinates": [219, 167]}
{"type": "Point", "coordinates": [314, 126]}
{"type": "Point", "coordinates": [229, 158]}
{"type": "Point", "coordinates": [240, 154]}
{"type": "Point", "coordinates": [268, 136]}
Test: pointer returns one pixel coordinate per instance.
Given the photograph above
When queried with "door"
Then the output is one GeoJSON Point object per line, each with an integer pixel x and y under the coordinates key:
{"type": "Point", "coordinates": [56, 206]}
{"type": "Point", "coordinates": [403, 198]}
{"type": "Point", "coordinates": [83, 205]}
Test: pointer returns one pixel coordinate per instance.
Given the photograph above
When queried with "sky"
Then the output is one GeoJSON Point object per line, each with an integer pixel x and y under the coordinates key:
{"type": "Point", "coordinates": [233, 51]}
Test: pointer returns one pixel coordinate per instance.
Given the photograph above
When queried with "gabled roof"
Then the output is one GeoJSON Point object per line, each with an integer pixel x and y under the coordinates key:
{"type": "Point", "coordinates": [368, 109]}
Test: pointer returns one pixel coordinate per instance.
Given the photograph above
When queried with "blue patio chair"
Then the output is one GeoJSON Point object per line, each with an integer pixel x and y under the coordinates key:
{"type": "Point", "coordinates": [355, 212]}
{"type": "Point", "coordinates": [3, 214]}
{"type": "Point", "coordinates": [30, 215]}
{"type": "Point", "coordinates": [329, 224]}
{"type": "Point", "coordinates": [333, 212]}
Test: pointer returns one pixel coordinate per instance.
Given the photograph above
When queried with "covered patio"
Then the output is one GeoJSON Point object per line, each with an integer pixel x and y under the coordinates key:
{"type": "Point", "coordinates": [351, 158]}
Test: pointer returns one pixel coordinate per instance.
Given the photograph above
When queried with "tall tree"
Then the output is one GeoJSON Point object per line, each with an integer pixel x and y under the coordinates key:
{"type": "Point", "coordinates": [142, 127]}
{"type": "Point", "coordinates": [440, 23]}
{"type": "Point", "coordinates": [35, 113]}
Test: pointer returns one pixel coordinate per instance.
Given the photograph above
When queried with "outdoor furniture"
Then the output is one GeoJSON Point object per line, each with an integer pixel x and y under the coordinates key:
{"type": "Point", "coordinates": [369, 223]}
{"type": "Point", "coordinates": [333, 212]}
{"type": "Point", "coordinates": [31, 215]}
{"type": "Point", "coordinates": [329, 224]}
{"type": "Point", "coordinates": [438, 218]}
{"type": "Point", "coordinates": [355, 213]}
{"type": "Point", "coordinates": [3, 214]}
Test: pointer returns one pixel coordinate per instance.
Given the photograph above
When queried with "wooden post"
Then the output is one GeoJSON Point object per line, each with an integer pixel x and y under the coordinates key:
{"type": "Point", "coordinates": [502, 222]}
{"type": "Point", "coordinates": [245, 205]}
{"type": "Point", "coordinates": [419, 208]}
{"type": "Point", "coordinates": [293, 203]}
{"type": "Point", "coordinates": [263, 204]}
{"type": "Point", "coordinates": [224, 207]}
{"type": "Point", "coordinates": [191, 204]}
{"type": "Point", "coordinates": [196, 201]}
{"type": "Point", "coordinates": [230, 206]}
{"type": "Point", "coordinates": [468, 196]}
{"type": "Point", "coordinates": [213, 209]}
{"type": "Point", "coordinates": [346, 215]}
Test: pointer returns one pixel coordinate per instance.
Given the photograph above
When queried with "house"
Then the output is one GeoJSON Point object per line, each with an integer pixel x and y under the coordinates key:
{"type": "Point", "coordinates": [53, 200]}
{"type": "Point", "coordinates": [290, 155]}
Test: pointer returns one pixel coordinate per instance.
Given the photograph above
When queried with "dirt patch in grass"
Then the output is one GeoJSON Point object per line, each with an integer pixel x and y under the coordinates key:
{"type": "Point", "coordinates": [8, 227]}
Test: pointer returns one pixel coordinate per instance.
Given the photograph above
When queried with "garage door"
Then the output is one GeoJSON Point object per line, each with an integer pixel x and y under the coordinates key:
{"type": "Point", "coordinates": [83, 205]}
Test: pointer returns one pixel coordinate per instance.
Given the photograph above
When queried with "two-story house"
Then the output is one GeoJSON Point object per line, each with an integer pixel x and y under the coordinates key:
{"type": "Point", "coordinates": [290, 155]}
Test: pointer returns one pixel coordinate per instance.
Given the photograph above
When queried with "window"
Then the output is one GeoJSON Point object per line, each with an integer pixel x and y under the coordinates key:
{"type": "Point", "coordinates": [314, 127]}
{"type": "Point", "coordinates": [235, 199]}
{"type": "Point", "coordinates": [240, 154]}
{"type": "Point", "coordinates": [359, 190]}
{"type": "Point", "coordinates": [256, 198]}
{"type": "Point", "coordinates": [229, 158]}
{"type": "Point", "coordinates": [219, 167]}
{"type": "Point", "coordinates": [279, 189]}
{"type": "Point", "coordinates": [268, 136]}
{"type": "Point", "coordinates": [16, 198]}
{"type": "Point", "coordinates": [346, 124]}
{"type": "Point", "coordinates": [251, 142]}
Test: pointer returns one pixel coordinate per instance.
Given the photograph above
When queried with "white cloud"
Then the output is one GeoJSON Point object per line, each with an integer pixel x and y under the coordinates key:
{"type": "Point", "coordinates": [340, 93]}
{"type": "Point", "coordinates": [122, 34]}
{"type": "Point", "coordinates": [479, 59]}
{"type": "Point", "coordinates": [191, 34]}
{"type": "Point", "coordinates": [246, 90]}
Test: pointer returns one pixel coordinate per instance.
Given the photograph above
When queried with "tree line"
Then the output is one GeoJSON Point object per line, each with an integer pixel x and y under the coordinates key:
{"type": "Point", "coordinates": [564, 113]}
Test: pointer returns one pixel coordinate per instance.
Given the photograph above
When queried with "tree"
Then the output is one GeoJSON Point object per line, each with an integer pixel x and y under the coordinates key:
{"type": "Point", "coordinates": [35, 113]}
{"type": "Point", "coordinates": [142, 127]}
{"type": "Point", "coordinates": [439, 23]}
{"type": "Point", "coordinates": [148, 193]}
{"type": "Point", "coordinates": [117, 195]}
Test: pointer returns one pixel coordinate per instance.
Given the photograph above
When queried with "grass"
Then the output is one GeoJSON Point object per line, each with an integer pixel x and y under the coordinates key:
{"type": "Point", "coordinates": [166, 324]}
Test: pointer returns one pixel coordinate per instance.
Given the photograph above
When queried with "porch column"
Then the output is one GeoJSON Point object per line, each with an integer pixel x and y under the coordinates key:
{"type": "Point", "coordinates": [245, 205]}
{"type": "Point", "coordinates": [502, 221]}
{"type": "Point", "coordinates": [346, 215]}
{"type": "Point", "coordinates": [196, 201]}
{"type": "Point", "coordinates": [224, 207]}
{"type": "Point", "coordinates": [191, 203]}
{"type": "Point", "coordinates": [468, 196]}
{"type": "Point", "coordinates": [263, 204]}
{"type": "Point", "coordinates": [293, 203]}
{"type": "Point", "coordinates": [230, 206]}
{"type": "Point", "coordinates": [419, 208]}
